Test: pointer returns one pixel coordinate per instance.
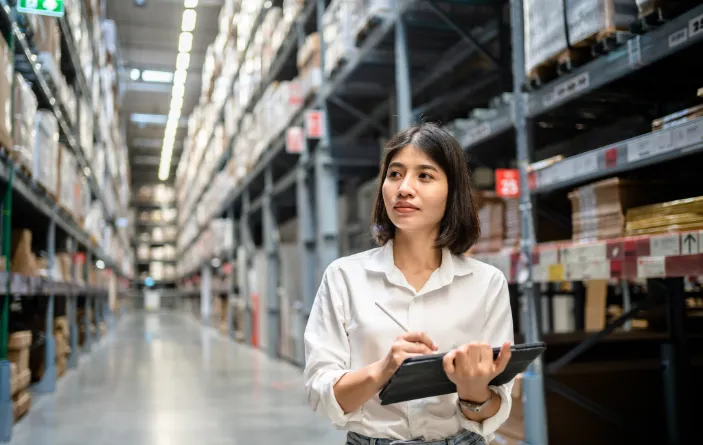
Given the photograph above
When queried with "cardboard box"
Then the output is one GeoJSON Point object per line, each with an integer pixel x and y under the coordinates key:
{"type": "Point", "coordinates": [23, 260]}
{"type": "Point", "coordinates": [23, 123]}
{"type": "Point", "coordinates": [46, 150]}
{"type": "Point", "coordinates": [20, 357]}
{"type": "Point", "coordinates": [586, 19]}
{"type": "Point", "coordinates": [47, 39]}
{"type": "Point", "coordinates": [21, 403]}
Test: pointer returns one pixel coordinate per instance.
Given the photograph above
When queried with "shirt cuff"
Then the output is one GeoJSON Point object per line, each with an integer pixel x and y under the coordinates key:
{"type": "Point", "coordinates": [329, 401]}
{"type": "Point", "coordinates": [491, 424]}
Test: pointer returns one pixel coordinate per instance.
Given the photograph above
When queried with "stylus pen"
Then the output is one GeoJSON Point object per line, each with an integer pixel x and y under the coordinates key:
{"type": "Point", "coordinates": [392, 317]}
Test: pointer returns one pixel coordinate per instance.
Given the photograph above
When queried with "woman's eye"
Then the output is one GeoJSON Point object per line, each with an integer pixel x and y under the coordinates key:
{"type": "Point", "coordinates": [425, 176]}
{"type": "Point", "coordinates": [393, 174]}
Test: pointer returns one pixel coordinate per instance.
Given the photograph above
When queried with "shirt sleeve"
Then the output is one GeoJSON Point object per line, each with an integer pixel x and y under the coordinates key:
{"type": "Point", "coordinates": [327, 351]}
{"type": "Point", "coordinates": [498, 329]}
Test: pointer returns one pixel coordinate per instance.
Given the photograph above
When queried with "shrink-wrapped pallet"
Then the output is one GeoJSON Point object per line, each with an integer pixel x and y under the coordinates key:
{"type": "Point", "coordinates": [545, 33]}
{"type": "Point", "coordinates": [23, 128]}
{"type": "Point", "coordinates": [46, 150]}
{"type": "Point", "coordinates": [589, 19]}
{"type": "Point", "coordinates": [338, 32]}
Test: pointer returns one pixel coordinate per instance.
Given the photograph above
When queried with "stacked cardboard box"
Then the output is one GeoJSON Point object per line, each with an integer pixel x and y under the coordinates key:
{"type": "Point", "coordinates": [598, 209]}
{"type": "Point", "coordinates": [18, 353]}
{"type": "Point", "coordinates": [673, 216]}
{"type": "Point", "coordinates": [512, 432]}
{"type": "Point", "coordinates": [46, 151]}
{"type": "Point", "coordinates": [23, 124]}
{"type": "Point", "coordinates": [513, 229]}
{"type": "Point", "coordinates": [338, 32]}
{"type": "Point", "coordinates": [61, 337]}
{"type": "Point", "coordinates": [491, 215]}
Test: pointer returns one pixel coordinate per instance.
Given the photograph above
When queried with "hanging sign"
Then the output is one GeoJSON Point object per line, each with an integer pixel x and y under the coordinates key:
{"type": "Point", "coordinates": [314, 124]}
{"type": "Point", "coordinates": [54, 8]}
{"type": "Point", "coordinates": [295, 140]}
{"type": "Point", "coordinates": [508, 182]}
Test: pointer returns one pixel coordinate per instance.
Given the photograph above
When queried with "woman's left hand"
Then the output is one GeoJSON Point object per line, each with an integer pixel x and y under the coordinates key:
{"type": "Point", "coordinates": [471, 367]}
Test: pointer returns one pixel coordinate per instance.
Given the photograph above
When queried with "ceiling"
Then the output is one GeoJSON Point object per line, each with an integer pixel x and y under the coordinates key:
{"type": "Point", "coordinates": [148, 40]}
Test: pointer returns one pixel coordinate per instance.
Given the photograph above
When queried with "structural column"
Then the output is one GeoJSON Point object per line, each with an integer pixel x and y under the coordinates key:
{"type": "Point", "coordinates": [271, 246]}
{"type": "Point", "coordinates": [306, 246]}
{"type": "Point", "coordinates": [72, 312]}
{"type": "Point", "coordinates": [88, 340]}
{"type": "Point", "coordinates": [47, 384]}
{"type": "Point", "coordinates": [205, 294]}
{"type": "Point", "coordinates": [244, 253]}
{"type": "Point", "coordinates": [403, 91]}
{"type": "Point", "coordinates": [535, 412]}
{"type": "Point", "coordinates": [230, 278]}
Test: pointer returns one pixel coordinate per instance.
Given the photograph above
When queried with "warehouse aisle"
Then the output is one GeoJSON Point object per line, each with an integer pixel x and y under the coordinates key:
{"type": "Point", "coordinates": [161, 379]}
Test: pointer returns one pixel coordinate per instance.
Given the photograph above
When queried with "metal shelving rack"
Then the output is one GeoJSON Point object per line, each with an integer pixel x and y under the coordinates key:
{"type": "Point", "coordinates": [25, 201]}
{"type": "Point", "coordinates": [417, 54]}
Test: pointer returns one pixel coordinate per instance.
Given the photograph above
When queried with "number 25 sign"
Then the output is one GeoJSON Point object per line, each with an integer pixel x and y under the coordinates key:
{"type": "Point", "coordinates": [508, 182]}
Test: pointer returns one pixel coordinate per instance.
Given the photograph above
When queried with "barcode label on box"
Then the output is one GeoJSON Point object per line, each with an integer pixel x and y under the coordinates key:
{"type": "Point", "coordinates": [651, 267]}
{"type": "Point", "coordinates": [665, 245]}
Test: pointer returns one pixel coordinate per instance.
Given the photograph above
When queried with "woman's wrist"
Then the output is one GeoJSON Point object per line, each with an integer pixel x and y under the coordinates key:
{"type": "Point", "coordinates": [474, 395]}
{"type": "Point", "coordinates": [378, 373]}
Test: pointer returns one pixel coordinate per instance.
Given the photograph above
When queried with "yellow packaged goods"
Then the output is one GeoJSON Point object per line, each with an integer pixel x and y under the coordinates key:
{"type": "Point", "coordinates": [672, 216]}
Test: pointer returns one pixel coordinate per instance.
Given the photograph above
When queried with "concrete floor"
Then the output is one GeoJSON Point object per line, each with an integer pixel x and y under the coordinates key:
{"type": "Point", "coordinates": [162, 379]}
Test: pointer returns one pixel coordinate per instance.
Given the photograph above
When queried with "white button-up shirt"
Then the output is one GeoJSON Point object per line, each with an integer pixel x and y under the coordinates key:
{"type": "Point", "coordinates": [464, 300]}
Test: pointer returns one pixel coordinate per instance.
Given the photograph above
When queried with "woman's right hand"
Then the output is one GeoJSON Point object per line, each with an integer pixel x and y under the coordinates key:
{"type": "Point", "coordinates": [410, 344]}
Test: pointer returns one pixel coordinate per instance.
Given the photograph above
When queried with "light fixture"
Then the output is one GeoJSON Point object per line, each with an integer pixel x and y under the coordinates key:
{"type": "Point", "coordinates": [182, 61]}
{"type": "Point", "coordinates": [180, 76]}
{"type": "Point", "coordinates": [134, 74]}
{"type": "Point", "coordinates": [188, 24]}
{"type": "Point", "coordinates": [190, 3]}
{"type": "Point", "coordinates": [178, 90]}
{"type": "Point", "coordinates": [185, 42]}
{"type": "Point", "coordinates": [268, 4]}
{"type": "Point", "coordinates": [157, 76]}
{"type": "Point", "coordinates": [100, 264]}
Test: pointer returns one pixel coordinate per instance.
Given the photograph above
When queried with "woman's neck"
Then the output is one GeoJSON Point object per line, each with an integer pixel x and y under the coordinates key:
{"type": "Point", "coordinates": [415, 252]}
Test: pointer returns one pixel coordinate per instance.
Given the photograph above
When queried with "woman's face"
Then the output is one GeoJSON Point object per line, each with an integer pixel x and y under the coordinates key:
{"type": "Point", "coordinates": [414, 191]}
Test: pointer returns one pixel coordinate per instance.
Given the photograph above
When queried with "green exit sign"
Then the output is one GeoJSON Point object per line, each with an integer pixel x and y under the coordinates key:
{"type": "Point", "coordinates": [54, 8]}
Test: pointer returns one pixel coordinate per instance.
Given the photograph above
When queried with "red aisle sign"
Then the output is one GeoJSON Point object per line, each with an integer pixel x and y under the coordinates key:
{"type": "Point", "coordinates": [295, 140]}
{"type": "Point", "coordinates": [314, 124]}
{"type": "Point", "coordinates": [508, 182]}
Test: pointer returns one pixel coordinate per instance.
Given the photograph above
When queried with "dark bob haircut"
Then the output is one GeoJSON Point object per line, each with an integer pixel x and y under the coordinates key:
{"type": "Point", "coordinates": [459, 228]}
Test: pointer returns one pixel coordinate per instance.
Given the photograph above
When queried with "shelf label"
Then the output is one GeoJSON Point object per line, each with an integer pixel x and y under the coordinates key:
{"type": "Point", "coordinates": [695, 26]}
{"type": "Point", "coordinates": [651, 267]}
{"type": "Point", "coordinates": [295, 140]}
{"type": "Point", "coordinates": [507, 182]}
{"type": "Point", "coordinates": [567, 89]}
{"type": "Point", "coordinates": [665, 245]}
{"type": "Point", "coordinates": [314, 124]}
{"type": "Point", "coordinates": [678, 37]}
{"type": "Point", "coordinates": [54, 8]}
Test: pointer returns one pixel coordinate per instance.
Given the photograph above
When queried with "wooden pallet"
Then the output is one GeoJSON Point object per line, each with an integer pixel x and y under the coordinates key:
{"type": "Point", "coordinates": [558, 65]}
{"type": "Point", "coordinates": [654, 13]}
{"type": "Point", "coordinates": [603, 41]}
{"type": "Point", "coordinates": [53, 196]}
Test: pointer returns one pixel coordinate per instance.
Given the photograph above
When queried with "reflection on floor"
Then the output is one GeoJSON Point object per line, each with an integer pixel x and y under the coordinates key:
{"type": "Point", "coordinates": [162, 379]}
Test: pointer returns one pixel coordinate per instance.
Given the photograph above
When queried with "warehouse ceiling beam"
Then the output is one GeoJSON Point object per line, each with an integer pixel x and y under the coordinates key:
{"type": "Point", "coordinates": [467, 37]}
{"type": "Point", "coordinates": [451, 59]}
{"type": "Point", "coordinates": [356, 112]}
{"type": "Point", "coordinates": [459, 95]}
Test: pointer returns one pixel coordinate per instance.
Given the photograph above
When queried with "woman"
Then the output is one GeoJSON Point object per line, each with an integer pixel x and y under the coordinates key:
{"type": "Point", "coordinates": [424, 220]}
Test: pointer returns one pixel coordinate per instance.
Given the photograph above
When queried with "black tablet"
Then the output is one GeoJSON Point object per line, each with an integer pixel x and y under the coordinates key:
{"type": "Point", "coordinates": [424, 376]}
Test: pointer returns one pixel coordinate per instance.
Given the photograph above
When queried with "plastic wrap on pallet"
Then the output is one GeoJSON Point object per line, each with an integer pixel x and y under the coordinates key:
{"type": "Point", "coordinates": [338, 32]}
{"type": "Point", "coordinates": [46, 149]}
{"type": "Point", "coordinates": [7, 70]}
{"type": "Point", "coordinates": [545, 33]}
{"type": "Point", "coordinates": [271, 20]}
{"type": "Point", "coordinates": [23, 128]}
{"type": "Point", "coordinates": [67, 177]}
{"type": "Point", "coordinates": [86, 130]}
{"type": "Point", "coordinates": [587, 18]}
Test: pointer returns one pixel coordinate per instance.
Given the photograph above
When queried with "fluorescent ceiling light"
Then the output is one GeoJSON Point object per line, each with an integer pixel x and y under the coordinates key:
{"type": "Point", "coordinates": [176, 103]}
{"type": "Point", "coordinates": [182, 61]}
{"type": "Point", "coordinates": [178, 90]}
{"type": "Point", "coordinates": [180, 77]}
{"type": "Point", "coordinates": [189, 16]}
{"type": "Point", "coordinates": [185, 42]}
{"type": "Point", "coordinates": [157, 76]}
{"type": "Point", "coordinates": [190, 3]}
{"type": "Point", "coordinates": [268, 4]}
{"type": "Point", "coordinates": [134, 74]}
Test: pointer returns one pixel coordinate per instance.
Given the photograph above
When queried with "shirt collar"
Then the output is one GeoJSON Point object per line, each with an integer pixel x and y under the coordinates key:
{"type": "Point", "coordinates": [452, 265]}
